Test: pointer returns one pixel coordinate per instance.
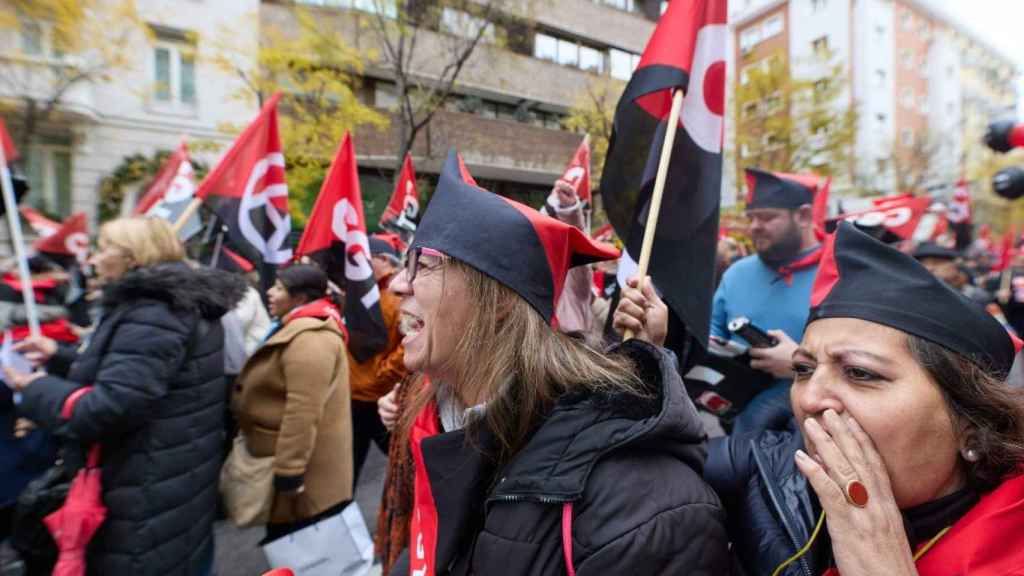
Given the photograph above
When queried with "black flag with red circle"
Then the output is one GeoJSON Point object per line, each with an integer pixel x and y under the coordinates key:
{"type": "Point", "coordinates": [687, 52]}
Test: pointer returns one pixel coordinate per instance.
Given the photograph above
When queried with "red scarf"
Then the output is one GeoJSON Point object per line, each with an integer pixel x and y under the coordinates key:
{"type": "Point", "coordinates": [786, 271]}
{"type": "Point", "coordinates": [987, 541]}
{"type": "Point", "coordinates": [323, 309]}
{"type": "Point", "coordinates": [423, 525]}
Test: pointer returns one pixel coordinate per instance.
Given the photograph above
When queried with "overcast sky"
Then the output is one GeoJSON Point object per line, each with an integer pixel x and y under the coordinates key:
{"type": "Point", "coordinates": [1000, 22]}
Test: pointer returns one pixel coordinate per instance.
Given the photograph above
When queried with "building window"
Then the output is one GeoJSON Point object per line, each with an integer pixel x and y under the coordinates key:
{"type": "Point", "coordinates": [174, 70]}
{"type": "Point", "coordinates": [820, 45]}
{"type": "Point", "coordinates": [881, 117]}
{"type": "Point", "coordinates": [880, 77]}
{"type": "Point", "coordinates": [750, 37]}
{"type": "Point", "coordinates": [907, 98]}
{"type": "Point", "coordinates": [771, 27]}
{"type": "Point", "coordinates": [907, 137]}
{"type": "Point", "coordinates": [923, 105]}
{"type": "Point", "coordinates": [622, 63]}
{"type": "Point", "coordinates": [386, 7]}
{"type": "Point", "coordinates": [49, 175]}
{"type": "Point", "coordinates": [744, 76]}
{"type": "Point", "coordinates": [907, 57]}
{"type": "Point", "coordinates": [32, 37]}
{"type": "Point", "coordinates": [545, 47]}
{"type": "Point", "coordinates": [907, 21]}
{"type": "Point", "coordinates": [568, 53]}
{"type": "Point", "coordinates": [591, 59]}
{"type": "Point", "coordinates": [459, 23]}
{"type": "Point", "coordinates": [627, 5]}
{"type": "Point", "coordinates": [818, 5]}
{"type": "Point", "coordinates": [384, 95]}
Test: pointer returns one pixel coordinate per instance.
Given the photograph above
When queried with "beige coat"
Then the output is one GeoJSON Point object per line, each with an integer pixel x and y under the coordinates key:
{"type": "Point", "coordinates": [292, 401]}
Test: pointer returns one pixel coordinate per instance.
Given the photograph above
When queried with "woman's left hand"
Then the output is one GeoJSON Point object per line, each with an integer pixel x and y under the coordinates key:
{"type": "Point", "coordinates": [865, 540]}
{"type": "Point", "coordinates": [21, 380]}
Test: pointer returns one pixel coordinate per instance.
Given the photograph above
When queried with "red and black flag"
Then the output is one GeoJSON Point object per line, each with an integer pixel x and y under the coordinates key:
{"type": "Point", "coordinates": [335, 238]}
{"type": "Point", "coordinates": [10, 156]}
{"type": "Point", "coordinates": [687, 52]}
{"type": "Point", "coordinates": [247, 190]}
{"type": "Point", "coordinates": [893, 217]}
{"type": "Point", "coordinates": [577, 172]}
{"type": "Point", "coordinates": [171, 191]}
{"type": "Point", "coordinates": [70, 239]}
{"type": "Point", "coordinates": [403, 210]}
{"type": "Point", "coordinates": [39, 223]}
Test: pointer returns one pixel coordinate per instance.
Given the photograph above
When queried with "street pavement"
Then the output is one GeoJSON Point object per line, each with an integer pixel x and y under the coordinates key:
{"type": "Point", "coordinates": [237, 553]}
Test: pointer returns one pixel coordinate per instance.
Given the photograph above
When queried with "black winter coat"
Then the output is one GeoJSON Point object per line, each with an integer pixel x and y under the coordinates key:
{"type": "Point", "coordinates": [155, 361]}
{"type": "Point", "coordinates": [772, 509]}
{"type": "Point", "coordinates": [631, 467]}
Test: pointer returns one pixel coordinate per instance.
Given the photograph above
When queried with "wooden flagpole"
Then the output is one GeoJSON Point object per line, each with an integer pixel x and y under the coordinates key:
{"type": "Point", "coordinates": [186, 214]}
{"type": "Point", "coordinates": [14, 225]}
{"type": "Point", "coordinates": [659, 190]}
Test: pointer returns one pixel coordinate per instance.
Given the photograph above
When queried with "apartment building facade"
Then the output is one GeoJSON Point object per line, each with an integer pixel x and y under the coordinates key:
{"type": "Point", "coordinates": [505, 115]}
{"type": "Point", "coordinates": [923, 85]}
{"type": "Point", "coordinates": [165, 89]}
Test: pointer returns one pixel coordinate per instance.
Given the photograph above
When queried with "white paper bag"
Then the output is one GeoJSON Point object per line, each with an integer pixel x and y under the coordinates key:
{"type": "Point", "coordinates": [336, 546]}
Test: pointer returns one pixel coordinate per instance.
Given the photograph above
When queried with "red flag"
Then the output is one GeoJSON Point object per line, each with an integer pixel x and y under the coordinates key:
{"type": "Point", "coordinates": [577, 173]}
{"type": "Point", "coordinates": [403, 210]}
{"type": "Point", "coordinates": [247, 190]}
{"type": "Point", "coordinates": [40, 224]}
{"type": "Point", "coordinates": [335, 237]}
{"type": "Point", "coordinates": [686, 52]}
{"type": "Point", "coordinates": [71, 239]}
{"type": "Point", "coordinates": [10, 152]}
{"type": "Point", "coordinates": [898, 214]}
{"type": "Point", "coordinates": [174, 182]}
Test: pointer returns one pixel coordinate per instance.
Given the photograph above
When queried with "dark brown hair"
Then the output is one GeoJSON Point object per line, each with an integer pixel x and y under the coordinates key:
{"type": "Point", "coordinates": [984, 408]}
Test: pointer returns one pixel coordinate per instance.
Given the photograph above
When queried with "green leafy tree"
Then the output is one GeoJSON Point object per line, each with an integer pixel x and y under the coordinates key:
{"type": "Point", "coordinates": [318, 74]}
{"type": "Point", "coordinates": [790, 124]}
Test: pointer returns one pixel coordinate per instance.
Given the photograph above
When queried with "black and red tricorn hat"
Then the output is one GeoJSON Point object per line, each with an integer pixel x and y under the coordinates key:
{"type": "Point", "coordinates": [776, 190]}
{"type": "Point", "coordinates": [512, 243]}
{"type": "Point", "coordinates": [860, 277]}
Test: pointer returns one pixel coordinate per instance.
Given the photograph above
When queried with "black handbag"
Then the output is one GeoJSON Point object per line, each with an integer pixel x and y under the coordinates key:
{"type": "Point", "coordinates": [40, 498]}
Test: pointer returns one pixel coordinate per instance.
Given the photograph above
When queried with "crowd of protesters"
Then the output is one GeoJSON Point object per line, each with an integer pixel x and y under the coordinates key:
{"type": "Point", "coordinates": [523, 437]}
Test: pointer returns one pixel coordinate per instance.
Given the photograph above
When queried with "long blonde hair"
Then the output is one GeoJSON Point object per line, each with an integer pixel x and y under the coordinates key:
{"type": "Point", "coordinates": [509, 356]}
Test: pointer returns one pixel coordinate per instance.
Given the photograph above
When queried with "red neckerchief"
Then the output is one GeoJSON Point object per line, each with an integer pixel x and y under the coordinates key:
{"type": "Point", "coordinates": [423, 524]}
{"type": "Point", "coordinates": [985, 542]}
{"type": "Point", "coordinates": [786, 271]}
{"type": "Point", "coordinates": [322, 309]}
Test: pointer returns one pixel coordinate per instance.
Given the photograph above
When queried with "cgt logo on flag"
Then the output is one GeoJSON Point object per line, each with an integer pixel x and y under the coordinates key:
{"type": "Point", "coordinates": [273, 200]}
{"type": "Point", "coordinates": [346, 226]}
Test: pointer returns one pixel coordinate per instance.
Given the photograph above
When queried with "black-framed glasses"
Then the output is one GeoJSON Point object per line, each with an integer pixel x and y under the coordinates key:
{"type": "Point", "coordinates": [415, 262]}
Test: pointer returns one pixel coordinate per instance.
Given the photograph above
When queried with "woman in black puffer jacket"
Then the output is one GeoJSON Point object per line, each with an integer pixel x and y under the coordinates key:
{"type": "Point", "coordinates": [156, 403]}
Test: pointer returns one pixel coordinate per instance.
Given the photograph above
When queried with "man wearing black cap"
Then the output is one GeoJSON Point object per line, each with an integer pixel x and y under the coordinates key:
{"type": "Point", "coordinates": [772, 287]}
{"type": "Point", "coordinates": [377, 375]}
{"type": "Point", "coordinates": [945, 264]}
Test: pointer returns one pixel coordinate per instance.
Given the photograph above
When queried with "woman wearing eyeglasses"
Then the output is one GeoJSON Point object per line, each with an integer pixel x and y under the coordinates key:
{"type": "Point", "coordinates": [910, 444]}
{"type": "Point", "coordinates": [533, 453]}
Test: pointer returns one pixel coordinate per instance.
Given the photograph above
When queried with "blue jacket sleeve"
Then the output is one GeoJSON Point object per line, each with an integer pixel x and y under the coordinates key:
{"type": "Point", "coordinates": [719, 314]}
{"type": "Point", "coordinates": [142, 356]}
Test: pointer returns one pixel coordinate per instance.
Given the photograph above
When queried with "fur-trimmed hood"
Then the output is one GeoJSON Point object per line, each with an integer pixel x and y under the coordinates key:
{"type": "Point", "coordinates": [210, 292]}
